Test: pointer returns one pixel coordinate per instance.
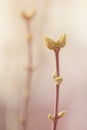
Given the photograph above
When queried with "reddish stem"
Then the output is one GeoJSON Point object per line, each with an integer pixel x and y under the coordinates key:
{"type": "Point", "coordinates": [28, 81]}
{"type": "Point", "coordinates": [57, 94]}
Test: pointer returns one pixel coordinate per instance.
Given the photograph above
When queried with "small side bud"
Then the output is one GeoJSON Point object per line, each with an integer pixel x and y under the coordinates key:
{"type": "Point", "coordinates": [54, 75]}
{"type": "Point", "coordinates": [61, 114]}
{"type": "Point", "coordinates": [29, 37]}
{"type": "Point", "coordinates": [61, 41]}
{"type": "Point", "coordinates": [58, 80]}
{"type": "Point", "coordinates": [50, 117]}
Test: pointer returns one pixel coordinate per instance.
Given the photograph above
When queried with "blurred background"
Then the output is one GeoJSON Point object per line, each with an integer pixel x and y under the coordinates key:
{"type": "Point", "coordinates": [53, 18]}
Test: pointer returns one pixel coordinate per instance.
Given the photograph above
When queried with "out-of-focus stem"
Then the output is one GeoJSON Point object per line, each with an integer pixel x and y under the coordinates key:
{"type": "Point", "coordinates": [28, 80]}
{"type": "Point", "coordinates": [55, 122]}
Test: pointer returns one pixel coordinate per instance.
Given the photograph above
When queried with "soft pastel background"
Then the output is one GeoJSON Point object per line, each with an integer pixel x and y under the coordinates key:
{"type": "Point", "coordinates": [53, 18]}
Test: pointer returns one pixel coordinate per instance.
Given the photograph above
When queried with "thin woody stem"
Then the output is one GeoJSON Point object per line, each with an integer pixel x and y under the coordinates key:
{"type": "Point", "coordinates": [28, 81]}
{"type": "Point", "coordinates": [57, 94]}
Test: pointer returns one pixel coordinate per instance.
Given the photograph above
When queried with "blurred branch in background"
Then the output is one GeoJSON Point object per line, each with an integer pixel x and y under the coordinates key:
{"type": "Point", "coordinates": [30, 68]}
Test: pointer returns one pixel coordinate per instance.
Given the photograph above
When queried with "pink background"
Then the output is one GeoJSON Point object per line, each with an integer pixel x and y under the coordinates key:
{"type": "Point", "coordinates": [53, 18]}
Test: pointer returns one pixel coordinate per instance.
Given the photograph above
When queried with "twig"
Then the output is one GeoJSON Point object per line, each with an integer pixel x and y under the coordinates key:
{"type": "Point", "coordinates": [57, 93]}
{"type": "Point", "coordinates": [56, 46]}
{"type": "Point", "coordinates": [27, 17]}
{"type": "Point", "coordinates": [28, 82]}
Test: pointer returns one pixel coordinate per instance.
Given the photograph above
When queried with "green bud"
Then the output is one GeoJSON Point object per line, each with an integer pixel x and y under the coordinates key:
{"type": "Point", "coordinates": [61, 41]}
{"type": "Point", "coordinates": [50, 117]}
{"type": "Point", "coordinates": [56, 45]}
{"type": "Point", "coordinates": [61, 114]}
{"type": "Point", "coordinates": [50, 43]}
{"type": "Point", "coordinates": [54, 75]}
{"type": "Point", "coordinates": [58, 80]}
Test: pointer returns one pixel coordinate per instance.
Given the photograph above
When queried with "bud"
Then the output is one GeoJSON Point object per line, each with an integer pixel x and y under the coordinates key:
{"type": "Point", "coordinates": [50, 117]}
{"type": "Point", "coordinates": [27, 15]}
{"type": "Point", "coordinates": [29, 37]}
{"type": "Point", "coordinates": [61, 41]}
{"type": "Point", "coordinates": [56, 45]}
{"type": "Point", "coordinates": [54, 75]}
{"type": "Point", "coordinates": [61, 114]}
{"type": "Point", "coordinates": [58, 80]}
{"type": "Point", "coordinates": [50, 43]}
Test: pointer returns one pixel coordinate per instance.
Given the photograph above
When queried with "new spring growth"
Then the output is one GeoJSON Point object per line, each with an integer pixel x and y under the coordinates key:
{"type": "Point", "coordinates": [56, 45]}
{"type": "Point", "coordinates": [50, 117]}
{"type": "Point", "coordinates": [58, 79]}
{"type": "Point", "coordinates": [27, 15]}
{"type": "Point", "coordinates": [60, 115]}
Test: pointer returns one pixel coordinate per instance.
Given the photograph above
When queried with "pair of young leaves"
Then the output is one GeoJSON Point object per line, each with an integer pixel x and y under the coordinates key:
{"type": "Point", "coordinates": [56, 45]}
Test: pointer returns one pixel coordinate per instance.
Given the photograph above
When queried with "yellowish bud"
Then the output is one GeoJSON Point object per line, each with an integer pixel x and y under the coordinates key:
{"type": "Point", "coordinates": [58, 80]}
{"type": "Point", "coordinates": [27, 15]}
{"type": "Point", "coordinates": [54, 74]}
{"type": "Point", "coordinates": [29, 37]}
{"type": "Point", "coordinates": [61, 41]}
{"type": "Point", "coordinates": [50, 117]}
{"type": "Point", "coordinates": [50, 43]}
{"type": "Point", "coordinates": [61, 114]}
{"type": "Point", "coordinates": [56, 45]}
